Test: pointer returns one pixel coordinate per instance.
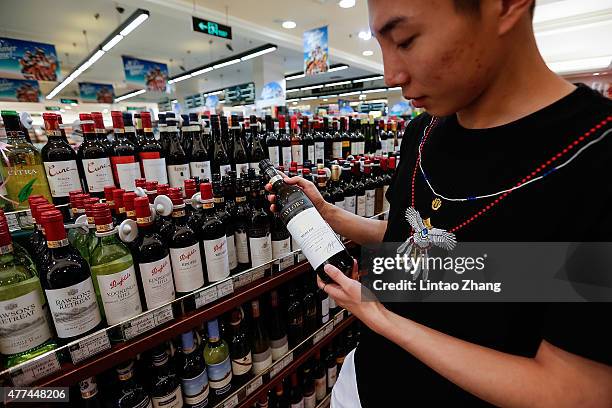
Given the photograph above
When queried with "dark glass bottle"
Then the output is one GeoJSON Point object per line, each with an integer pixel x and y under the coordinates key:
{"type": "Point", "coordinates": [260, 346]}
{"type": "Point", "coordinates": [164, 139]}
{"type": "Point", "coordinates": [130, 129]}
{"type": "Point", "coordinates": [379, 182]}
{"type": "Point", "coordinates": [384, 139]}
{"type": "Point", "coordinates": [60, 162]}
{"type": "Point", "coordinates": [192, 372]}
{"type": "Point", "coordinates": [331, 368]}
{"type": "Point", "coordinates": [272, 142]}
{"type": "Point", "coordinates": [340, 351]}
{"type": "Point", "coordinates": [151, 154]}
{"type": "Point", "coordinates": [308, 141]}
{"type": "Point", "coordinates": [322, 186]}
{"type": "Point", "coordinates": [241, 218]}
{"type": "Point", "coordinates": [66, 279]}
{"type": "Point", "coordinates": [337, 152]}
{"type": "Point", "coordinates": [212, 236]}
{"type": "Point", "coordinates": [309, 301]}
{"type": "Point", "coordinates": [320, 377]}
{"type": "Point", "coordinates": [177, 162]}
{"type": "Point", "coordinates": [335, 189]}
{"type": "Point", "coordinates": [94, 160]}
{"type": "Point", "coordinates": [319, 143]}
{"type": "Point", "coordinates": [281, 244]}
{"type": "Point", "coordinates": [279, 344]}
{"type": "Point", "coordinates": [223, 215]}
{"type": "Point", "coordinates": [360, 191]}
{"type": "Point", "coordinates": [257, 152]}
{"type": "Point", "coordinates": [240, 158]}
{"type": "Point", "coordinates": [370, 189]}
{"type": "Point", "coordinates": [240, 349]}
{"type": "Point", "coordinates": [221, 161]}
{"type": "Point", "coordinates": [218, 363]}
{"type": "Point", "coordinates": [345, 138]}
{"type": "Point", "coordinates": [101, 132]}
{"type": "Point", "coordinates": [296, 399]}
{"type": "Point", "coordinates": [387, 173]}
{"type": "Point", "coordinates": [199, 164]}
{"type": "Point", "coordinates": [165, 386]}
{"type": "Point", "coordinates": [353, 137]}
{"type": "Point", "coordinates": [308, 386]}
{"type": "Point", "coordinates": [123, 159]}
{"type": "Point", "coordinates": [260, 240]}
{"type": "Point", "coordinates": [295, 317]}
{"type": "Point", "coordinates": [328, 136]}
{"type": "Point", "coordinates": [297, 148]}
{"type": "Point", "coordinates": [350, 194]}
{"type": "Point", "coordinates": [278, 399]}
{"type": "Point", "coordinates": [284, 142]}
{"type": "Point", "coordinates": [90, 398]}
{"type": "Point", "coordinates": [187, 131]}
{"type": "Point", "coordinates": [140, 136]}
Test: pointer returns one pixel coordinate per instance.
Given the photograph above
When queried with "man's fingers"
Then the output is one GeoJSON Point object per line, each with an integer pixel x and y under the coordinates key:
{"type": "Point", "coordinates": [336, 275]}
{"type": "Point", "coordinates": [355, 271]}
{"type": "Point", "coordinates": [268, 187]}
{"type": "Point", "coordinates": [272, 198]}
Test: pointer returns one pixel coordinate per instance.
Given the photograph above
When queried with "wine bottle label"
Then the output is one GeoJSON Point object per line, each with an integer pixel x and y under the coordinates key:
{"type": "Point", "coordinates": [119, 293]}
{"type": "Point", "coordinates": [126, 171]}
{"type": "Point", "coordinates": [195, 390]}
{"type": "Point", "coordinates": [311, 153]}
{"type": "Point", "coordinates": [399, 144]}
{"type": "Point", "coordinates": [98, 173]}
{"type": "Point", "coordinates": [297, 154]}
{"type": "Point", "coordinates": [242, 169]}
{"type": "Point", "coordinates": [231, 252]}
{"type": "Point", "coordinates": [254, 165]}
{"type": "Point", "coordinates": [279, 347]}
{"type": "Point", "coordinates": [294, 247]}
{"type": "Point", "coordinates": [320, 388]}
{"type": "Point", "coordinates": [280, 249]}
{"type": "Point", "coordinates": [154, 167]}
{"type": "Point", "coordinates": [242, 365]}
{"type": "Point", "coordinates": [310, 401]}
{"type": "Point", "coordinates": [299, 404]}
{"type": "Point", "coordinates": [24, 175]}
{"type": "Point", "coordinates": [331, 376]}
{"type": "Point", "coordinates": [339, 204]}
{"type": "Point", "coordinates": [286, 151]}
{"type": "Point", "coordinates": [274, 155]}
{"type": "Point", "coordinates": [370, 202]}
{"type": "Point", "coordinates": [361, 205]}
{"type": "Point", "coordinates": [220, 376]}
{"type": "Point", "coordinates": [319, 152]}
{"type": "Point", "coordinates": [172, 400]}
{"type": "Point", "coordinates": [355, 148]}
{"type": "Point", "coordinates": [385, 201]}
{"type": "Point", "coordinates": [217, 264]}
{"type": "Point", "coordinates": [242, 247]}
{"type": "Point", "coordinates": [261, 361]}
{"type": "Point", "coordinates": [187, 268]}
{"type": "Point", "coordinates": [157, 282]}
{"type": "Point", "coordinates": [325, 310]}
{"type": "Point", "coordinates": [224, 169]}
{"type": "Point", "coordinates": [261, 250]}
{"type": "Point", "coordinates": [316, 238]}
{"type": "Point", "coordinates": [63, 177]}
{"type": "Point", "coordinates": [177, 174]}
{"type": "Point", "coordinates": [74, 309]}
{"type": "Point", "coordinates": [200, 169]}
{"type": "Point", "coordinates": [350, 204]}
{"type": "Point", "coordinates": [23, 321]}
{"type": "Point", "coordinates": [337, 150]}
{"type": "Point", "coordinates": [332, 303]}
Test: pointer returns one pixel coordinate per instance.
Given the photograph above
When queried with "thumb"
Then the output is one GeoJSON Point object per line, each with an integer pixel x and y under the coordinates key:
{"type": "Point", "coordinates": [336, 275]}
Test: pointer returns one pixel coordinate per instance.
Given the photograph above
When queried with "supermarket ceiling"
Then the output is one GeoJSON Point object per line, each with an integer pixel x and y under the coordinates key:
{"type": "Point", "coordinates": [567, 30]}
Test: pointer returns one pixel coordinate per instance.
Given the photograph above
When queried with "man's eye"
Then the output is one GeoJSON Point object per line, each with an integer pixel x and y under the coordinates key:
{"type": "Point", "coordinates": [405, 44]}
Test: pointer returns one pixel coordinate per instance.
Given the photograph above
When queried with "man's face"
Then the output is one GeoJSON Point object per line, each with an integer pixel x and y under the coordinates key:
{"type": "Point", "coordinates": [443, 59]}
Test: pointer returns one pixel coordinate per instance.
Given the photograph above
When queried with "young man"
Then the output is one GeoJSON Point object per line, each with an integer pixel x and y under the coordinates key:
{"type": "Point", "coordinates": [501, 118]}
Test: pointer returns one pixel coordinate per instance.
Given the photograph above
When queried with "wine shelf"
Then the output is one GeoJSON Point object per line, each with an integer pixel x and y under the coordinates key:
{"type": "Point", "coordinates": [326, 402]}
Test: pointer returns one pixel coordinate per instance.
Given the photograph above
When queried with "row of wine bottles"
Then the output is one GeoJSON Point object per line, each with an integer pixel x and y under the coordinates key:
{"type": "Point", "coordinates": [199, 148]}
{"type": "Point", "coordinates": [201, 368]}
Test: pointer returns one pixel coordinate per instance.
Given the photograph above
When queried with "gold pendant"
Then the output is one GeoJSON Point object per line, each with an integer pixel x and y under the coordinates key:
{"type": "Point", "coordinates": [436, 204]}
{"type": "Point", "coordinates": [427, 222]}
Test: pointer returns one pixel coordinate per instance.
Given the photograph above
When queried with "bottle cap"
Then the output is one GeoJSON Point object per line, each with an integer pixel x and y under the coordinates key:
{"type": "Point", "coordinates": [140, 182]}
{"type": "Point", "coordinates": [162, 189]}
{"type": "Point", "coordinates": [206, 191]}
{"type": "Point", "coordinates": [128, 202]}
{"type": "Point", "coordinates": [88, 204]}
{"type": "Point", "coordinates": [321, 172]}
{"type": "Point", "coordinates": [213, 329]}
{"type": "Point", "coordinates": [53, 222]}
{"type": "Point", "coordinates": [145, 118]}
{"type": "Point", "coordinates": [175, 195]}
{"type": "Point", "coordinates": [102, 217]}
{"type": "Point", "coordinates": [87, 127]}
{"type": "Point", "coordinates": [127, 119]}
{"type": "Point", "coordinates": [187, 340]}
{"type": "Point", "coordinates": [392, 162]}
{"type": "Point", "coordinates": [142, 209]}
{"type": "Point", "coordinates": [118, 199]}
{"type": "Point", "coordinates": [108, 194]}
{"type": "Point", "coordinates": [151, 185]}
{"type": "Point", "coordinates": [117, 117]}
{"type": "Point", "coordinates": [42, 207]}
{"type": "Point", "coordinates": [34, 206]}
{"type": "Point", "coordinates": [190, 187]}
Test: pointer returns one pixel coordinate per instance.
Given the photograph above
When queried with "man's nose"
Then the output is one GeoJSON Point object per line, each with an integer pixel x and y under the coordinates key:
{"type": "Point", "coordinates": [395, 74]}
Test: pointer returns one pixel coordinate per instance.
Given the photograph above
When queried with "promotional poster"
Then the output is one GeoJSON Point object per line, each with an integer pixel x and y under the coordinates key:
{"type": "Point", "coordinates": [316, 51]}
{"type": "Point", "coordinates": [145, 74]}
{"type": "Point", "coordinates": [28, 60]}
{"type": "Point", "coordinates": [19, 90]}
{"type": "Point", "coordinates": [100, 93]}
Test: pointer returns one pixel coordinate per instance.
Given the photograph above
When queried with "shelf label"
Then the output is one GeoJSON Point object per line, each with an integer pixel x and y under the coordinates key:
{"type": "Point", "coordinates": [318, 336]}
{"type": "Point", "coordinates": [205, 297]}
{"type": "Point", "coordinates": [89, 347]}
{"type": "Point", "coordinates": [142, 324]}
{"type": "Point", "coordinates": [225, 288]}
{"type": "Point", "coordinates": [338, 318]}
{"type": "Point", "coordinates": [284, 362]}
{"type": "Point", "coordinates": [254, 385]}
{"type": "Point", "coordinates": [258, 274]}
{"type": "Point", "coordinates": [33, 370]}
{"type": "Point", "coordinates": [329, 328]}
{"type": "Point", "coordinates": [242, 280]}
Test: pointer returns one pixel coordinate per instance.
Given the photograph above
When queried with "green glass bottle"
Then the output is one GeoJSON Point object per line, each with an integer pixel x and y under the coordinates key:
{"type": "Point", "coordinates": [24, 326]}
{"type": "Point", "coordinates": [22, 167]}
{"type": "Point", "coordinates": [112, 269]}
{"type": "Point", "coordinates": [85, 243]}
{"type": "Point", "coordinates": [217, 358]}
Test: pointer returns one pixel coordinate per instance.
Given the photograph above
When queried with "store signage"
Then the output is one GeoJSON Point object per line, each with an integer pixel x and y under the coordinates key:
{"type": "Point", "coordinates": [243, 94]}
{"type": "Point", "coordinates": [316, 51]}
{"type": "Point", "coordinates": [141, 73]}
{"type": "Point", "coordinates": [19, 90]}
{"type": "Point", "coordinates": [28, 60]}
{"type": "Point", "coordinates": [137, 108]}
{"type": "Point", "coordinates": [93, 92]}
{"type": "Point", "coordinates": [68, 101]}
{"type": "Point", "coordinates": [211, 28]}
{"type": "Point", "coordinates": [52, 108]}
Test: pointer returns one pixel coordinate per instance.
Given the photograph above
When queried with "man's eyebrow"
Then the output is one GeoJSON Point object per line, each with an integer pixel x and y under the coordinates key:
{"type": "Point", "coordinates": [390, 25]}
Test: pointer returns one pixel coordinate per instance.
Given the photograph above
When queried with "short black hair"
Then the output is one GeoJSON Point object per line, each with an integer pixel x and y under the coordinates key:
{"type": "Point", "coordinates": [473, 6]}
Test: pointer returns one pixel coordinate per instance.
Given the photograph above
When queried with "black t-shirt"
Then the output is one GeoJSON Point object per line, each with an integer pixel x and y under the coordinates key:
{"type": "Point", "coordinates": [574, 204]}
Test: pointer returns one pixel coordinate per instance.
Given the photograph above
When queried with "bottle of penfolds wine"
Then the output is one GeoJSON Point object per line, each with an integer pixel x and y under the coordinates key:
{"type": "Point", "coordinates": [226, 219]}
{"type": "Point", "coordinates": [260, 239]}
{"type": "Point", "coordinates": [94, 159]}
{"type": "Point", "coordinates": [212, 235]}
{"type": "Point", "coordinates": [241, 217]}
{"type": "Point", "coordinates": [177, 162]}
{"type": "Point", "coordinates": [318, 241]}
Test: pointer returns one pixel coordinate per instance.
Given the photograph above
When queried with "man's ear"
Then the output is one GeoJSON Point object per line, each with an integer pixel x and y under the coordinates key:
{"type": "Point", "coordinates": [510, 12]}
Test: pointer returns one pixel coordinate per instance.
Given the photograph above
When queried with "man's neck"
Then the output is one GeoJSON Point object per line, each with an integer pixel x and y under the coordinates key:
{"type": "Point", "coordinates": [525, 85]}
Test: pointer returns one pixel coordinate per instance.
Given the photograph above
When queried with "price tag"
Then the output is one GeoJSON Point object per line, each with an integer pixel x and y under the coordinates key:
{"type": "Point", "coordinates": [207, 296]}
{"type": "Point", "coordinates": [231, 402]}
{"type": "Point", "coordinates": [281, 364]}
{"type": "Point", "coordinates": [318, 336]}
{"type": "Point", "coordinates": [225, 288]}
{"type": "Point", "coordinates": [339, 317]}
{"type": "Point", "coordinates": [32, 371]}
{"type": "Point", "coordinates": [242, 280]}
{"type": "Point", "coordinates": [12, 222]}
{"type": "Point", "coordinates": [258, 274]}
{"type": "Point", "coordinates": [89, 347]}
{"type": "Point", "coordinates": [136, 327]}
{"type": "Point", "coordinates": [253, 385]}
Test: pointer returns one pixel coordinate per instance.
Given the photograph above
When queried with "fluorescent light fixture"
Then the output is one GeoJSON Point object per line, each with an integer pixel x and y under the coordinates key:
{"type": "Point", "coordinates": [346, 3]}
{"type": "Point", "coordinates": [367, 53]}
{"type": "Point", "coordinates": [174, 101]}
{"type": "Point", "coordinates": [325, 99]}
{"type": "Point", "coordinates": [311, 87]}
{"type": "Point", "coordinates": [258, 53]}
{"type": "Point", "coordinates": [289, 24]}
{"type": "Point", "coordinates": [580, 65]}
{"type": "Point", "coordinates": [338, 68]}
{"type": "Point", "coordinates": [221, 101]}
{"type": "Point", "coordinates": [296, 76]}
{"type": "Point", "coordinates": [377, 101]}
{"type": "Point", "coordinates": [395, 88]}
{"type": "Point", "coordinates": [330, 96]}
{"type": "Point", "coordinates": [295, 103]}
{"type": "Point", "coordinates": [68, 107]}
{"type": "Point", "coordinates": [179, 79]}
{"type": "Point", "coordinates": [354, 103]}
{"type": "Point", "coordinates": [201, 71]}
{"type": "Point", "coordinates": [138, 21]}
{"type": "Point", "coordinates": [95, 57]}
{"type": "Point", "coordinates": [365, 35]}
{"type": "Point", "coordinates": [308, 98]}
{"type": "Point", "coordinates": [62, 110]}
{"type": "Point", "coordinates": [292, 100]}
{"type": "Point", "coordinates": [130, 95]}
{"type": "Point", "coordinates": [105, 110]}
{"type": "Point", "coordinates": [350, 93]}
{"type": "Point", "coordinates": [362, 97]}
{"type": "Point", "coordinates": [367, 91]}
{"type": "Point", "coordinates": [226, 63]}
{"type": "Point", "coordinates": [374, 78]}
{"type": "Point", "coordinates": [292, 90]}
{"type": "Point", "coordinates": [337, 83]}
{"type": "Point", "coordinates": [114, 41]}
{"type": "Point", "coordinates": [216, 92]}
{"type": "Point", "coordinates": [74, 104]}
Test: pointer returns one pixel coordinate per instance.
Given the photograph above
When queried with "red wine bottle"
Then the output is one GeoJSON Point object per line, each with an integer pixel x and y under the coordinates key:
{"type": "Point", "coordinates": [94, 159]}
{"type": "Point", "coordinates": [101, 132]}
{"type": "Point", "coordinates": [260, 240]}
{"type": "Point", "coordinates": [212, 235]}
{"type": "Point", "coordinates": [152, 156]}
{"type": "Point", "coordinates": [241, 217]}
{"type": "Point", "coordinates": [125, 167]}
{"type": "Point", "coordinates": [272, 142]}
{"type": "Point", "coordinates": [177, 162]}
{"type": "Point", "coordinates": [226, 219]}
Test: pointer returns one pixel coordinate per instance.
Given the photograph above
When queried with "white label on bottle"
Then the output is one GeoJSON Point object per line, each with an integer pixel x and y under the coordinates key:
{"type": "Point", "coordinates": [361, 205]}
{"type": "Point", "coordinates": [286, 150]}
{"type": "Point", "coordinates": [63, 177]}
{"type": "Point", "coordinates": [362, 148]}
{"type": "Point", "coordinates": [332, 303]}
{"type": "Point", "coordinates": [349, 204]}
{"type": "Point", "coordinates": [319, 152]}
{"type": "Point", "coordinates": [195, 390]}
{"type": "Point", "coordinates": [74, 309]}
{"type": "Point", "coordinates": [119, 293]}
{"type": "Point", "coordinates": [274, 155]}
{"type": "Point", "coordinates": [172, 400]}
{"type": "Point", "coordinates": [311, 153]}
{"type": "Point", "coordinates": [297, 154]}
{"type": "Point", "coordinates": [339, 204]}
{"type": "Point", "coordinates": [231, 252]}
{"type": "Point", "coordinates": [201, 170]}
{"type": "Point", "coordinates": [242, 247]}
{"type": "Point", "coordinates": [255, 166]}
{"type": "Point", "coordinates": [219, 375]}
{"type": "Point", "coordinates": [261, 250]}
{"type": "Point", "coordinates": [224, 169]}
{"type": "Point", "coordinates": [325, 310]}
{"type": "Point", "coordinates": [98, 173]}
{"type": "Point", "coordinates": [385, 201]}
{"type": "Point", "coordinates": [242, 169]}
{"type": "Point", "coordinates": [281, 249]}
{"type": "Point", "coordinates": [298, 404]}
{"type": "Point", "coordinates": [157, 282]}
{"type": "Point", "coordinates": [217, 263]}
{"type": "Point", "coordinates": [128, 173]}
{"type": "Point", "coordinates": [187, 268]}
{"type": "Point", "coordinates": [337, 150]}
{"type": "Point", "coordinates": [355, 148]}
{"type": "Point", "coordinates": [331, 376]}
{"type": "Point", "coordinates": [23, 323]}
{"type": "Point", "coordinates": [370, 202]}
{"type": "Point", "coordinates": [242, 365]}
{"type": "Point", "coordinates": [316, 238]}
{"type": "Point", "coordinates": [155, 169]}
{"type": "Point", "coordinates": [294, 247]}
{"type": "Point", "coordinates": [310, 401]}
{"type": "Point", "coordinates": [261, 361]}
{"type": "Point", "coordinates": [320, 387]}
{"type": "Point", "coordinates": [399, 144]}
{"type": "Point", "coordinates": [177, 174]}
{"type": "Point", "coordinates": [279, 347]}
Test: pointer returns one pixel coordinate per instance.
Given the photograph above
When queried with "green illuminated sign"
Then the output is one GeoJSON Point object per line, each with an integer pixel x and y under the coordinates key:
{"type": "Point", "coordinates": [212, 28]}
